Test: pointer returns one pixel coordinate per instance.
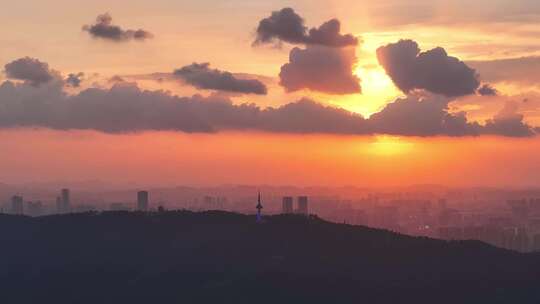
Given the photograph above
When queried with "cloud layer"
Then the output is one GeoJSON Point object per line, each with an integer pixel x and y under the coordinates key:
{"type": "Point", "coordinates": [30, 70]}
{"type": "Point", "coordinates": [322, 69]}
{"type": "Point", "coordinates": [127, 108]}
{"type": "Point", "coordinates": [433, 70]}
{"type": "Point", "coordinates": [74, 80]}
{"type": "Point", "coordinates": [523, 70]}
{"type": "Point", "coordinates": [508, 122]}
{"type": "Point", "coordinates": [202, 76]}
{"type": "Point", "coordinates": [104, 29]}
{"type": "Point", "coordinates": [487, 90]}
{"type": "Point", "coordinates": [287, 26]}
{"type": "Point", "coordinates": [422, 117]}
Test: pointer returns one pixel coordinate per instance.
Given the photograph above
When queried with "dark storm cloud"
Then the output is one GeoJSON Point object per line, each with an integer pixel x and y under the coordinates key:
{"type": "Point", "coordinates": [510, 127]}
{"type": "Point", "coordinates": [104, 29]}
{"type": "Point", "coordinates": [328, 34]}
{"type": "Point", "coordinates": [30, 70]}
{"type": "Point", "coordinates": [74, 80]}
{"type": "Point", "coordinates": [433, 70]}
{"type": "Point", "coordinates": [126, 108]}
{"type": "Point", "coordinates": [429, 116]}
{"type": "Point", "coordinates": [413, 116]}
{"type": "Point", "coordinates": [202, 76]}
{"type": "Point", "coordinates": [508, 122]}
{"type": "Point", "coordinates": [123, 108]}
{"type": "Point", "coordinates": [306, 116]}
{"type": "Point", "coordinates": [325, 65]}
{"type": "Point", "coordinates": [487, 90]}
{"type": "Point", "coordinates": [322, 69]}
{"type": "Point", "coordinates": [286, 25]}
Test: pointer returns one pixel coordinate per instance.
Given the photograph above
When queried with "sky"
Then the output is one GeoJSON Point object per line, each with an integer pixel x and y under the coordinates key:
{"type": "Point", "coordinates": [334, 92]}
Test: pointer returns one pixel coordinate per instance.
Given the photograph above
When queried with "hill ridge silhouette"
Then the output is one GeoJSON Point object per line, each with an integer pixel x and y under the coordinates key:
{"type": "Point", "coordinates": [179, 256]}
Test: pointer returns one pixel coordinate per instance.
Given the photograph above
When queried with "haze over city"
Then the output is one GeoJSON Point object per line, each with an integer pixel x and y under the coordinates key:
{"type": "Point", "coordinates": [299, 151]}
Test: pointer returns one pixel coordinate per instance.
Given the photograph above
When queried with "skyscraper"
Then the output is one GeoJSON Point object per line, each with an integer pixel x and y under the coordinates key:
{"type": "Point", "coordinates": [59, 205]}
{"type": "Point", "coordinates": [65, 201]}
{"type": "Point", "coordinates": [142, 200]}
{"type": "Point", "coordinates": [17, 206]}
{"type": "Point", "coordinates": [303, 205]}
{"type": "Point", "coordinates": [287, 205]}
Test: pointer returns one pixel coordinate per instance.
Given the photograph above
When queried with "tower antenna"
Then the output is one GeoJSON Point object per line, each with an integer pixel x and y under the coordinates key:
{"type": "Point", "coordinates": [259, 208]}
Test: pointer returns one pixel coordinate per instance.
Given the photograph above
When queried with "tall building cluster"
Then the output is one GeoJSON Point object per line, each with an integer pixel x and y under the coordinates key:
{"type": "Point", "coordinates": [302, 205]}
{"type": "Point", "coordinates": [502, 219]}
{"type": "Point", "coordinates": [17, 205]}
{"type": "Point", "coordinates": [519, 229]}
{"type": "Point", "coordinates": [63, 202]}
{"type": "Point", "coordinates": [142, 201]}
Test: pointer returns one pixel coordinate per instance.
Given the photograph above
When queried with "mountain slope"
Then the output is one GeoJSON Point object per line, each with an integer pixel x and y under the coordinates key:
{"type": "Point", "coordinates": [184, 257]}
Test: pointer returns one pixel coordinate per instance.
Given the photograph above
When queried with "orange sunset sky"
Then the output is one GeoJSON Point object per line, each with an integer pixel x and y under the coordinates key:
{"type": "Point", "coordinates": [305, 92]}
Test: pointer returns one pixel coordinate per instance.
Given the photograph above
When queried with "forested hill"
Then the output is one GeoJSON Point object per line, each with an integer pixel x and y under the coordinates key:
{"type": "Point", "coordinates": [217, 257]}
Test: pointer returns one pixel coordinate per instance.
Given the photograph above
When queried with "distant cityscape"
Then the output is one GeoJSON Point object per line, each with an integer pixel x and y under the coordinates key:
{"type": "Point", "coordinates": [507, 223]}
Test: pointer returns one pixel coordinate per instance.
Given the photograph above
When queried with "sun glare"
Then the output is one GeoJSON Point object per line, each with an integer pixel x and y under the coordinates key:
{"type": "Point", "coordinates": [377, 91]}
{"type": "Point", "coordinates": [390, 146]}
{"type": "Point", "coordinates": [374, 81]}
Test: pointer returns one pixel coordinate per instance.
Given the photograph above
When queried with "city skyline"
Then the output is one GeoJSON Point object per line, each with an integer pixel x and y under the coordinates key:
{"type": "Point", "coordinates": [270, 151]}
{"type": "Point", "coordinates": [503, 218]}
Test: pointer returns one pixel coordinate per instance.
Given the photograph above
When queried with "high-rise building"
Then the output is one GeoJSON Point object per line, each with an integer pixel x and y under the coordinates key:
{"type": "Point", "coordinates": [59, 205]}
{"type": "Point", "coordinates": [303, 205]}
{"type": "Point", "coordinates": [443, 204]}
{"type": "Point", "coordinates": [221, 202]}
{"type": "Point", "coordinates": [210, 203]}
{"type": "Point", "coordinates": [17, 206]}
{"type": "Point", "coordinates": [287, 205]}
{"type": "Point", "coordinates": [520, 211]}
{"type": "Point", "coordinates": [142, 200]}
{"type": "Point", "coordinates": [385, 217]}
{"type": "Point", "coordinates": [63, 203]}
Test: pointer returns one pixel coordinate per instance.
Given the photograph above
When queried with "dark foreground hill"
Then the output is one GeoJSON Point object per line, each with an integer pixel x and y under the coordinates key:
{"type": "Point", "coordinates": [184, 257]}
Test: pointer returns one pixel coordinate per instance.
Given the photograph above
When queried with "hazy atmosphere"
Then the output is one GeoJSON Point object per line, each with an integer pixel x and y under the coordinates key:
{"type": "Point", "coordinates": [269, 151]}
{"type": "Point", "coordinates": [277, 92]}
